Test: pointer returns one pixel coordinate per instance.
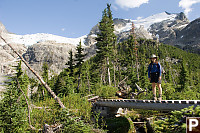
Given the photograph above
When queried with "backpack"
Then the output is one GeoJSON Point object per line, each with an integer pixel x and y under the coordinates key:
{"type": "Point", "coordinates": [158, 66]}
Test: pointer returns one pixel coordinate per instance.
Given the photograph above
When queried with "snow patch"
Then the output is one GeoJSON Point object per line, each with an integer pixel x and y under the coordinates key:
{"type": "Point", "coordinates": [93, 35]}
{"type": "Point", "coordinates": [31, 39]}
{"type": "Point", "coordinates": [183, 26]}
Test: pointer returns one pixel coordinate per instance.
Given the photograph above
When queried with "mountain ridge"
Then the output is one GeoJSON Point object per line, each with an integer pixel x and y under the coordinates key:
{"type": "Point", "coordinates": [34, 48]}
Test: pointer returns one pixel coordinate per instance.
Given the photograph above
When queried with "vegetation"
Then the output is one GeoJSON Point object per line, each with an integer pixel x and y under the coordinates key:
{"type": "Point", "coordinates": [176, 122]}
{"type": "Point", "coordinates": [100, 75]}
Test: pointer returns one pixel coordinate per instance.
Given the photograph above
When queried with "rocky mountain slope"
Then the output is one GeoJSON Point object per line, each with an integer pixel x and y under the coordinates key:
{"type": "Point", "coordinates": [189, 37]}
{"type": "Point", "coordinates": [173, 29]}
{"type": "Point", "coordinates": [55, 54]}
{"type": "Point", "coordinates": [167, 30]}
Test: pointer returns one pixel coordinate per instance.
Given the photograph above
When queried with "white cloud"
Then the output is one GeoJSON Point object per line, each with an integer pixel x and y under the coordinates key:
{"type": "Point", "coordinates": [130, 3]}
{"type": "Point", "coordinates": [187, 4]}
{"type": "Point", "coordinates": [138, 18]}
{"type": "Point", "coordinates": [63, 29]}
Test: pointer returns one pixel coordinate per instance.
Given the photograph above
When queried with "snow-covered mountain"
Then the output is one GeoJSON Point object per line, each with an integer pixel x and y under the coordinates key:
{"type": "Point", "coordinates": [159, 26]}
{"type": "Point", "coordinates": [122, 26]}
{"type": "Point", "coordinates": [31, 39]}
{"type": "Point", "coordinates": [147, 22]}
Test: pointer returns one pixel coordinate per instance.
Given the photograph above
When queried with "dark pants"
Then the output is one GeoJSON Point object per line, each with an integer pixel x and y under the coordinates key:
{"type": "Point", "coordinates": [155, 78]}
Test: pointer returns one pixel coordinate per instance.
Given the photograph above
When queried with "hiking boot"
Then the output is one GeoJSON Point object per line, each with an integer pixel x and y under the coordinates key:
{"type": "Point", "coordinates": [155, 98]}
{"type": "Point", "coordinates": [160, 97]}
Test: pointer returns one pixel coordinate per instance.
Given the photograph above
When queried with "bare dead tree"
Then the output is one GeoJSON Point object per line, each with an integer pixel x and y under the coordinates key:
{"type": "Point", "coordinates": [37, 75]}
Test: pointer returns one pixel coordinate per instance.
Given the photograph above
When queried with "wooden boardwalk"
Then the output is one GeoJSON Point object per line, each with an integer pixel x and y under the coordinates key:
{"type": "Point", "coordinates": [164, 105]}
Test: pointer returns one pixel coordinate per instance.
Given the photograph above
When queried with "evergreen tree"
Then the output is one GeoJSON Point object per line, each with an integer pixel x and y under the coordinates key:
{"type": "Point", "coordinates": [168, 72]}
{"type": "Point", "coordinates": [131, 51]}
{"type": "Point", "coordinates": [86, 75]}
{"type": "Point", "coordinates": [105, 41]}
{"type": "Point", "coordinates": [45, 74]}
{"type": "Point", "coordinates": [42, 92]}
{"type": "Point", "coordinates": [64, 84]}
{"type": "Point", "coordinates": [143, 67]}
{"type": "Point", "coordinates": [70, 63]}
{"type": "Point", "coordinates": [12, 106]}
{"type": "Point", "coordinates": [184, 76]}
{"type": "Point", "coordinates": [79, 59]}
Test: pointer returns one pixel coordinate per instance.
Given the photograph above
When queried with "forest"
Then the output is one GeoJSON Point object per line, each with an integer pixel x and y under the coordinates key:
{"type": "Point", "coordinates": [23, 109]}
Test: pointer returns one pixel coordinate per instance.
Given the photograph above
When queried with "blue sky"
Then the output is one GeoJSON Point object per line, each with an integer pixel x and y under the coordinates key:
{"type": "Point", "coordinates": [75, 18]}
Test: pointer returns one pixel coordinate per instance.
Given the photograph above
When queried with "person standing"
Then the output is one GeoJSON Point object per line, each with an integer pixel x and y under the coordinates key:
{"type": "Point", "coordinates": [154, 75]}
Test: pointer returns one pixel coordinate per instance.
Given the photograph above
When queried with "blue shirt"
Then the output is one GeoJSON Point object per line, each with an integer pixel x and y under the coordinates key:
{"type": "Point", "coordinates": [154, 68]}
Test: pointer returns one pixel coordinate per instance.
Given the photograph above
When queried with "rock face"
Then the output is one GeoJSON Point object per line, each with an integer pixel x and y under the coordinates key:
{"type": "Point", "coordinates": [167, 30]}
{"type": "Point", "coordinates": [9, 59]}
{"type": "Point", "coordinates": [55, 54]}
{"type": "Point", "coordinates": [189, 37]}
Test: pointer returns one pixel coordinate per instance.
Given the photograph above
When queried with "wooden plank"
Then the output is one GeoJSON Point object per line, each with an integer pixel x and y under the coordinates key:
{"type": "Point", "coordinates": [93, 98]}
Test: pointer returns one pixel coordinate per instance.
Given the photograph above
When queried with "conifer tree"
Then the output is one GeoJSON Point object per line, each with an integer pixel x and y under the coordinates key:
{"type": "Point", "coordinates": [131, 51]}
{"type": "Point", "coordinates": [143, 67]}
{"type": "Point", "coordinates": [168, 72]}
{"type": "Point", "coordinates": [12, 106]}
{"type": "Point", "coordinates": [70, 63]}
{"type": "Point", "coordinates": [106, 40]}
{"type": "Point", "coordinates": [87, 71]}
{"type": "Point", "coordinates": [184, 76]}
{"type": "Point", "coordinates": [79, 56]}
{"type": "Point", "coordinates": [45, 74]}
{"type": "Point", "coordinates": [64, 84]}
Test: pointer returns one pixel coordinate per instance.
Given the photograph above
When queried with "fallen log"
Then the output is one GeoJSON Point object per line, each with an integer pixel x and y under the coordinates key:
{"type": "Point", "coordinates": [93, 98]}
{"type": "Point", "coordinates": [37, 75]}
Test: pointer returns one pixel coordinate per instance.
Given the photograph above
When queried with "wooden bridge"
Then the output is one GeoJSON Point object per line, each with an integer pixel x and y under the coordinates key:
{"type": "Point", "coordinates": [106, 106]}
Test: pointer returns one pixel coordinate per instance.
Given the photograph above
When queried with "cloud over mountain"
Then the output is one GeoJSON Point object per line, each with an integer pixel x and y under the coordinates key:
{"type": "Point", "coordinates": [187, 5]}
{"type": "Point", "coordinates": [130, 3]}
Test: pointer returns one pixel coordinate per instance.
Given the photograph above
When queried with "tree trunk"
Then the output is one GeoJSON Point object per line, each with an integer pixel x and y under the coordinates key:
{"type": "Point", "coordinates": [38, 76]}
{"type": "Point", "coordinates": [114, 75]}
{"type": "Point", "coordinates": [138, 78]}
{"type": "Point", "coordinates": [109, 81]}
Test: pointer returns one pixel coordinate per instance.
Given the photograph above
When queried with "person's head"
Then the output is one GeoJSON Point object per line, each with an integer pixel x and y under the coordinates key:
{"type": "Point", "coordinates": [153, 58]}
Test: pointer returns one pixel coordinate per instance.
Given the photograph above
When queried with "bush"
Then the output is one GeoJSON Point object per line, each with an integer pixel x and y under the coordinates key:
{"type": "Point", "coordinates": [176, 122]}
{"type": "Point", "coordinates": [106, 91]}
